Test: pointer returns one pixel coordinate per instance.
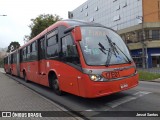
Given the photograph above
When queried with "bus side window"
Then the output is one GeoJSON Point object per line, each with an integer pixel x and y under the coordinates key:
{"type": "Point", "coordinates": [11, 59]}
{"type": "Point", "coordinates": [41, 49]}
{"type": "Point", "coordinates": [24, 54]}
{"type": "Point", "coordinates": [52, 46]}
{"type": "Point", "coordinates": [69, 51]}
{"type": "Point", "coordinates": [28, 52]}
{"type": "Point", "coordinates": [33, 51]}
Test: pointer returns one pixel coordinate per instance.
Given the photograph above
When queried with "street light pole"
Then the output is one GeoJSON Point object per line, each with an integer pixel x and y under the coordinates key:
{"type": "Point", "coordinates": [144, 46]}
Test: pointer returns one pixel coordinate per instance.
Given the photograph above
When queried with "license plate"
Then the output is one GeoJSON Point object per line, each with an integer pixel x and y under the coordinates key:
{"type": "Point", "coordinates": [112, 75]}
{"type": "Point", "coordinates": [122, 86]}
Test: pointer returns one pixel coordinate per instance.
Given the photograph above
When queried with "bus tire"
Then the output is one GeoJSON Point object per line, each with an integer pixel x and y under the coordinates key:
{"type": "Point", "coordinates": [25, 77]}
{"type": "Point", "coordinates": [55, 85]}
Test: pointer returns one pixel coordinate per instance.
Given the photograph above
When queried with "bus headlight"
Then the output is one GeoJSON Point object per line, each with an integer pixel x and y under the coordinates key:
{"type": "Point", "coordinates": [96, 78]}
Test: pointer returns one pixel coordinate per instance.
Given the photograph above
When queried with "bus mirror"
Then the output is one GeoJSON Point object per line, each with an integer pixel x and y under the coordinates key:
{"type": "Point", "coordinates": [77, 34]}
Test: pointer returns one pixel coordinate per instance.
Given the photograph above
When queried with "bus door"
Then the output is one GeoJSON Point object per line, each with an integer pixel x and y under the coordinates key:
{"type": "Point", "coordinates": [41, 58]}
{"type": "Point", "coordinates": [69, 57]}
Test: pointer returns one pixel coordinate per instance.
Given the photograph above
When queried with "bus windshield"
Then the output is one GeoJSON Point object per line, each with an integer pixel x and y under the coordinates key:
{"type": "Point", "coordinates": [102, 46]}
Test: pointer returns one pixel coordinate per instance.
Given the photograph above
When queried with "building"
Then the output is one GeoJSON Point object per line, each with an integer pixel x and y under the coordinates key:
{"type": "Point", "coordinates": [137, 21]}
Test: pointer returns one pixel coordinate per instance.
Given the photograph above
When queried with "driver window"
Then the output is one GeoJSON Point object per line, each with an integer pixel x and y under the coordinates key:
{"type": "Point", "coordinates": [69, 51]}
{"type": "Point", "coordinates": [67, 44]}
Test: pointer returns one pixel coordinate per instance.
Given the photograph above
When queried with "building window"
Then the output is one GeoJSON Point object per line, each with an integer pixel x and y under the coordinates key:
{"type": "Point", "coordinates": [155, 34]}
{"type": "Point", "coordinates": [117, 7]}
{"type": "Point", "coordinates": [131, 37]}
{"type": "Point", "coordinates": [96, 8]}
{"type": "Point", "coordinates": [86, 14]}
{"type": "Point", "coordinates": [91, 19]}
{"type": "Point", "coordinates": [147, 34]}
{"type": "Point", "coordinates": [70, 15]}
{"type": "Point", "coordinates": [124, 4]}
{"type": "Point", "coordinates": [140, 36]}
{"type": "Point", "coordinates": [155, 60]}
{"type": "Point", "coordinates": [86, 6]}
{"type": "Point", "coordinates": [138, 60]}
{"type": "Point", "coordinates": [116, 18]}
{"type": "Point", "coordinates": [81, 9]}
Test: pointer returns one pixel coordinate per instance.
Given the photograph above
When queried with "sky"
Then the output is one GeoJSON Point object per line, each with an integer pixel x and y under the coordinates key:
{"type": "Point", "coordinates": [14, 26]}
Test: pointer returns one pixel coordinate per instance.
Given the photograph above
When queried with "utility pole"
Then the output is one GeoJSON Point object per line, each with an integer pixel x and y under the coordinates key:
{"type": "Point", "coordinates": [144, 46]}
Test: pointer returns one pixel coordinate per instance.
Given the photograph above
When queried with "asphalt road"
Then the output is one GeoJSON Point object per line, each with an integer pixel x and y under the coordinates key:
{"type": "Point", "coordinates": [145, 97]}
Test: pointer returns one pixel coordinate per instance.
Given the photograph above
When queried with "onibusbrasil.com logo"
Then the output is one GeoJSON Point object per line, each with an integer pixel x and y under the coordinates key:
{"type": "Point", "coordinates": [21, 114]}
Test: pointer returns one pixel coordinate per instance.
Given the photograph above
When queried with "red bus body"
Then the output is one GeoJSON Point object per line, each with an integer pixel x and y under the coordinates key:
{"type": "Point", "coordinates": [72, 78]}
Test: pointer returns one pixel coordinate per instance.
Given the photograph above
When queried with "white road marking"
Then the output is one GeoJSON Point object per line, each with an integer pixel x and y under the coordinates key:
{"type": "Point", "coordinates": [126, 99]}
{"type": "Point", "coordinates": [141, 93]}
{"type": "Point", "coordinates": [120, 101]}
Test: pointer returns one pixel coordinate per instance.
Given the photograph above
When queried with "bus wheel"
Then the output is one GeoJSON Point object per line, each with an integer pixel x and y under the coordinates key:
{"type": "Point", "coordinates": [55, 86]}
{"type": "Point", "coordinates": [25, 77]}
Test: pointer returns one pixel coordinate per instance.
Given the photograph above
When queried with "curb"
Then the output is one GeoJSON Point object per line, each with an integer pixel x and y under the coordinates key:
{"type": "Point", "coordinates": [156, 80]}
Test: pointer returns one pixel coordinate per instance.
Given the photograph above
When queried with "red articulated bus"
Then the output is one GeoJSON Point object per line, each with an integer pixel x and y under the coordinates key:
{"type": "Point", "coordinates": [81, 58]}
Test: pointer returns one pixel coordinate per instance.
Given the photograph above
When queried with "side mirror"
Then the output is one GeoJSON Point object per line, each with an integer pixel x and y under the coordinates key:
{"type": "Point", "coordinates": [77, 34]}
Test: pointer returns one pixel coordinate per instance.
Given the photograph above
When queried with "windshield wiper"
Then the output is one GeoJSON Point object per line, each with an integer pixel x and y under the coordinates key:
{"type": "Point", "coordinates": [111, 49]}
{"type": "Point", "coordinates": [102, 48]}
{"type": "Point", "coordinates": [112, 44]}
{"type": "Point", "coordinates": [108, 57]}
{"type": "Point", "coordinates": [114, 48]}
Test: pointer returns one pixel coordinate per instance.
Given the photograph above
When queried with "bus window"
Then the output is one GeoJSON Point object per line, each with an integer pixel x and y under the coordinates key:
{"type": "Point", "coordinates": [33, 51]}
{"type": "Point", "coordinates": [41, 49]}
{"type": "Point", "coordinates": [24, 54]}
{"type": "Point", "coordinates": [28, 52]}
{"type": "Point", "coordinates": [69, 51]}
{"type": "Point", "coordinates": [52, 47]}
{"type": "Point", "coordinates": [11, 59]}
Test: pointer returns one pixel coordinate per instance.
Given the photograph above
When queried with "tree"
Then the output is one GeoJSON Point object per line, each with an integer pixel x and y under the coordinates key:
{"type": "Point", "coordinates": [13, 46]}
{"type": "Point", "coordinates": [41, 22]}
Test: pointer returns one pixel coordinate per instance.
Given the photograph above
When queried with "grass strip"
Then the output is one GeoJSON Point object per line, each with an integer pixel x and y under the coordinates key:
{"type": "Point", "coordinates": [147, 76]}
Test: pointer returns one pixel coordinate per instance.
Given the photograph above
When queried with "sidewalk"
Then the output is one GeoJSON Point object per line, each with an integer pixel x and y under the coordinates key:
{"type": "Point", "coordinates": [16, 97]}
{"type": "Point", "coordinates": [156, 80]}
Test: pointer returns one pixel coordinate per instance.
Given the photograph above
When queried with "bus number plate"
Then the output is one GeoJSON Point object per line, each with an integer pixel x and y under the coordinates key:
{"type": "Point", "coordinates": [123, 86]}
{"type": "Point", "coordinates": [112, 75]}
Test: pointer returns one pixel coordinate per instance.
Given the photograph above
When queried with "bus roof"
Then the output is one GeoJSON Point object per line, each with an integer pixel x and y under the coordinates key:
{"type": "Point", "coordinates": [67, 23]}
{"type": "Point", "coordinates": [73, 22]}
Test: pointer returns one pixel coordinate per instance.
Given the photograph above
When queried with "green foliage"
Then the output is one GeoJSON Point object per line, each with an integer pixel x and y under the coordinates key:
{"type": "Point", "coordinates": [41, 22]}
{"type": "Point", "coordinates": [148, 76]}
{"type": "Point", "coordinates": [13, 46]}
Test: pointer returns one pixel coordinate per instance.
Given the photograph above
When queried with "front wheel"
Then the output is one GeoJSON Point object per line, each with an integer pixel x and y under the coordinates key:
{"type": "Point", "coordinates": [55, 86]}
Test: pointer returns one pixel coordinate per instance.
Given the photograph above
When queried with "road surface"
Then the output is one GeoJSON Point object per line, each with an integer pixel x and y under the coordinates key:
{"type": "Point", "coordinates": [145, 97]}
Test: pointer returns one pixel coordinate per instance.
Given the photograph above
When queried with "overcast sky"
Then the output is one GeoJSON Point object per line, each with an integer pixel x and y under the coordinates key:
{"type": "Point", "coordinates": [14, 26]}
